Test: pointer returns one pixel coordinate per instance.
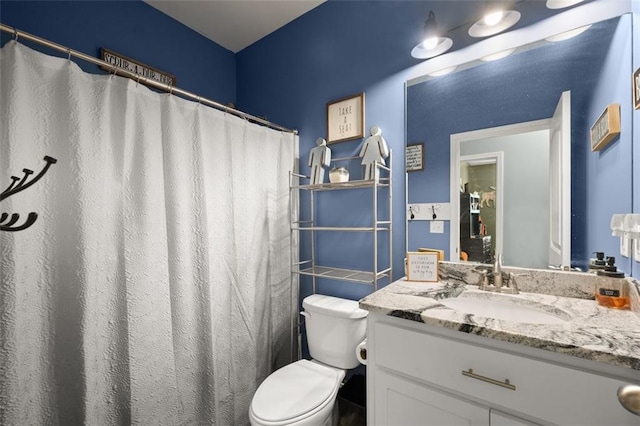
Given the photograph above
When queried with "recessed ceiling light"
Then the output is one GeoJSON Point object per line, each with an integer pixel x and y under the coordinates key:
{"type": "Point", "coordinates": [441, 72]}
{"type": "Point", "coordinates": [568, 34]}
{"type": "Point", "coordinates": [560, 4]}
{"type": "Point", "coordinates": [494, 22]}
{"type": "Point", "coordinates": [498, 55]}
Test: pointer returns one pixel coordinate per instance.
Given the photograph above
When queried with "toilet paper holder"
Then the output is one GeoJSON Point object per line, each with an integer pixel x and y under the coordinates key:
{"type": "Point", "coordinates": [361, 352]}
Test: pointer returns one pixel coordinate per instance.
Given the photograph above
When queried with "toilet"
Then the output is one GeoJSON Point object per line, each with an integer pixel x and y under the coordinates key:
{"type": "Point", "coordinates": [304, 392]}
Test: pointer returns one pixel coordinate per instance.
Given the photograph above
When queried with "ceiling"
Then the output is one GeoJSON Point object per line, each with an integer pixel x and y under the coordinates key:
{"type": "Point", "coordinates": [234, 24]}
{"type": "Point", "coordinates": [237, 24]}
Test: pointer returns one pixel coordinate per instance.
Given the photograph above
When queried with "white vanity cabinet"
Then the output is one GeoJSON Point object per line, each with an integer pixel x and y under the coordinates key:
{"type": "Point", "coordinates": [426, 375]}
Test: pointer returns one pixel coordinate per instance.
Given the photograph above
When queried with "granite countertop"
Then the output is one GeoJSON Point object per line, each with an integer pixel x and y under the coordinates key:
{"type": "Point", "coordinates": [588, 331]}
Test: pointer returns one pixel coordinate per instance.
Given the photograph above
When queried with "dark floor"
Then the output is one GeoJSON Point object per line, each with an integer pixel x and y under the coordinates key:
{"type": "Point", "coordinates": [352, 402]}
{"type": "Point", "coordinates": [351, 414]}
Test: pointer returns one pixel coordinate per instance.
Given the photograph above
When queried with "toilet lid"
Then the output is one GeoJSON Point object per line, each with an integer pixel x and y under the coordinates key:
{"type": "Point", "coordinates": [294, 390]}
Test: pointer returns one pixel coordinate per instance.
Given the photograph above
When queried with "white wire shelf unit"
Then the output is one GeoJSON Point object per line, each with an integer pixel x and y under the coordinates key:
{"type": "Point", "coordinates": [381, 192]}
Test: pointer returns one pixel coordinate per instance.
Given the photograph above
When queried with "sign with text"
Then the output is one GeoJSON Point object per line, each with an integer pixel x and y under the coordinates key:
{"type": "Point", "coordinates": [422, 266]}
{"type": "Point", "coordinates": [415, 157]}
{"type": "Point", "coordinates": [345, 119]}
{"type": "Point", "coordinates": [606, 127]}
{"type": "Point", "coordinates": [120, 62]}
{"type": "Point", "coordinates": [636, 89]}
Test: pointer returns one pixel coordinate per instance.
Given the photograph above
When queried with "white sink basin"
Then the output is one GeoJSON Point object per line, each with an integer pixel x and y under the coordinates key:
{"type": "Point", "coordinates": [506, 309]}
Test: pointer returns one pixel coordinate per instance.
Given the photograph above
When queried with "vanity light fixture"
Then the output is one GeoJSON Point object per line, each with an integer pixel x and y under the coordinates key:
{"type": "Point", "coordinates": [432, 43]}
{"type": "Point", "coordinates": [442, 72]}
{"type": "Point", "coordinates": [494, 22]}
{"type": "Point", "coordinates": [561, 4]}
{"type": "Point", "coordinates": [499, 55]}
{"type": "Point", "coordinates": [568, 34]}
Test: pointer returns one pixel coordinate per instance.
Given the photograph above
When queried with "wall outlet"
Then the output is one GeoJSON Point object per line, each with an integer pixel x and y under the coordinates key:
{"type": "Point", "coordinates": [625, 246]}
{"type": "Point", "coordinates": [436, 227]}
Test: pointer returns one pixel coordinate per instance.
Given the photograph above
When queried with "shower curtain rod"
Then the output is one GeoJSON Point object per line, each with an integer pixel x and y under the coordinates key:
{"type": "Point", "coordinates": [166, 87]}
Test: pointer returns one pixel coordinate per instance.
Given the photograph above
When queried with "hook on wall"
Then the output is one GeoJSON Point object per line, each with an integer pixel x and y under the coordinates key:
{"type": "Point", "coordinates": [16, 186]}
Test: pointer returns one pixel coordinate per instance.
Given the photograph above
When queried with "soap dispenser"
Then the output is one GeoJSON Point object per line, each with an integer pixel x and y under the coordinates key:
{"type": "Point", "coordinates": [597, 264]}
{"type": "Point", "coordinates": [612, 293]}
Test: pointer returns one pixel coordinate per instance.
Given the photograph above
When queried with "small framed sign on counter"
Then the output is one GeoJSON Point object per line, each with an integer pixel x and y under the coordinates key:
{"type": "Point", "coordinates": [422, 266]}
{"type": "Point", "coordinates": [345, 119]}
{"type": "Point", "coordinates": [606, 127]}
{"type": "Point", "coordinates": [415, 157]}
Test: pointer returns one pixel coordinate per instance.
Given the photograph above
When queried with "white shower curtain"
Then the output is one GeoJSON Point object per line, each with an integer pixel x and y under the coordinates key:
{"type": "Point", "coordinates": [154, 287]}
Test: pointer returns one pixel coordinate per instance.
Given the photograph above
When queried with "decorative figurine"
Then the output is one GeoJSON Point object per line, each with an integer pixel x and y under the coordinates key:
{"type": "Point", "coordinates": [374, 150]}
{"type": "Point", "coordinates": [319, 159]}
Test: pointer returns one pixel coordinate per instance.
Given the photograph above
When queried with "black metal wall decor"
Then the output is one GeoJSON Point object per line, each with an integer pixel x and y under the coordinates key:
{"type": "Point", "coordinates": [16, 186]}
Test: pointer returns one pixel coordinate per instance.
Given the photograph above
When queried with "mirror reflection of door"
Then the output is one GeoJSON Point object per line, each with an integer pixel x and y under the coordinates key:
{"type": "Point", "coordinates": [478, 206]}
{"type": "Point", "coordinates": [534, 230]}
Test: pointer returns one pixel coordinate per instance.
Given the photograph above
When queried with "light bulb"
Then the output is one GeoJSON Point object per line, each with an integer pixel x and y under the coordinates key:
{"type": "Point", "coordinates": [430, 43]}
{"type": "Point", "coordinates": [493, 18]}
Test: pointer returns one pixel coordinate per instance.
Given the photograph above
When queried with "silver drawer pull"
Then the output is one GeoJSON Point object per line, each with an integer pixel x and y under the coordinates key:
{"type": "Point", "coordinates": [629, 397]}
{"type": "Point", "coordinates": [504, 384]}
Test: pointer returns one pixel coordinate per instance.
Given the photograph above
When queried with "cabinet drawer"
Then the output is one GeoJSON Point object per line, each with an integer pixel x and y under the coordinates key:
{"type": "Point", "coordinates": [543, 390]}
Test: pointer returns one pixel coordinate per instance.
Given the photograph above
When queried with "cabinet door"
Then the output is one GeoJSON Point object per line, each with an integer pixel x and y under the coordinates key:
{"type": "Point", "coordinates": [399, 402]}
{"type": "Point", "coordinates": [496, 418]}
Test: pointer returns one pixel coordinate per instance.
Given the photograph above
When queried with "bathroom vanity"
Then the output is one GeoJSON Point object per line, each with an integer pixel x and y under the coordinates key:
{"type": "Point", "coordinates": [430, 364]}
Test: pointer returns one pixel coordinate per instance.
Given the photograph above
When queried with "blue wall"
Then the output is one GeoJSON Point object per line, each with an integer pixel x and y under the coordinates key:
{"type": "Point", "coordinates": [338, 49]}
{"type": "Point", "coordinates": [609, 172]}
{"type": "Point", "coordinates": [133, 29]}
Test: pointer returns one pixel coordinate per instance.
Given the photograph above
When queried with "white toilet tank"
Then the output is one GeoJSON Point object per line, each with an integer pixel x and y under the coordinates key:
{"type": "Point", "coordinates": [334, 328]}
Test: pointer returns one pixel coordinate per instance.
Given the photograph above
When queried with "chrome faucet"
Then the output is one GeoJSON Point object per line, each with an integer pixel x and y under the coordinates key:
{"type": "Point", "coordinates": [497, 272]}
{"type": "Point", "coordinates": [497, 282]}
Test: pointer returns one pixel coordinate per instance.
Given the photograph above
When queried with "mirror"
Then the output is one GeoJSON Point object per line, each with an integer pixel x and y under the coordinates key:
{"type": "Point", "coordinates": [524, 87]}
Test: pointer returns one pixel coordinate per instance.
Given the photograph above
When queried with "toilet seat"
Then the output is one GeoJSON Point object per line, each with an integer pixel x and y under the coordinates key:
{"type": "Point", "coordinates": [295, 392]}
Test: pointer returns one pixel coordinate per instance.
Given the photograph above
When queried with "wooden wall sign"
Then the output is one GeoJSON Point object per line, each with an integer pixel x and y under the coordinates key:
{"type": "Point", "coordinates": [120, 62]}
{"type": "Point", "coordinates": [636, 89]}
{"type": "Point", "coordinates": [606, 127]}
{"type": "Point", "coordinates": [345, 119]}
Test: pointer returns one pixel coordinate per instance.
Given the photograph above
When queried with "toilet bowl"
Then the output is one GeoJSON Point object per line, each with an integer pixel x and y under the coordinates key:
{"type": "Point", "coordinates": [299, 394]}
{"type": "Point", "coordinates": [304, 393]}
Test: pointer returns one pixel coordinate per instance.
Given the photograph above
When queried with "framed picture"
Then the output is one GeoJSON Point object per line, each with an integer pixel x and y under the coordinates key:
{"type": "Point", "coordinates": [636, 89]}
{"type": "Point", "coordinates": [606, 127]}
{"type": "Point", "coordinates": [415, 157]}
{"type": "Point", "coordinates": [422, 266]}
{"type": "Point", "coordinates": [345, 119]}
